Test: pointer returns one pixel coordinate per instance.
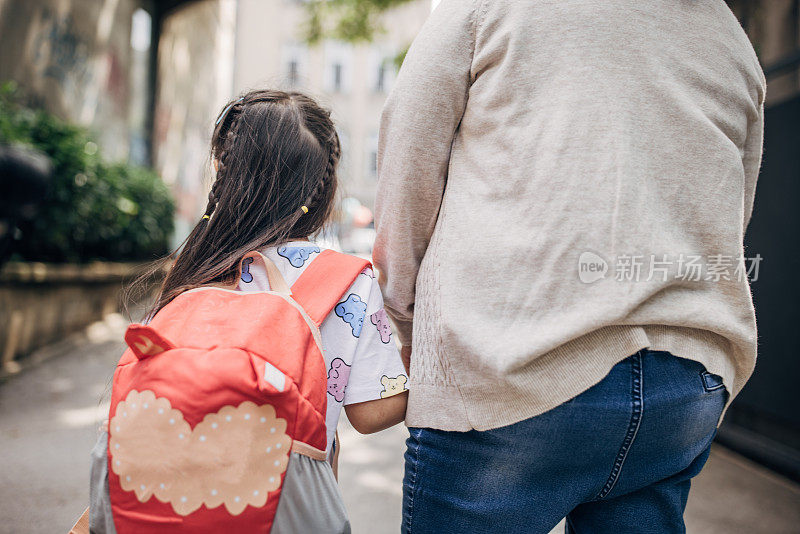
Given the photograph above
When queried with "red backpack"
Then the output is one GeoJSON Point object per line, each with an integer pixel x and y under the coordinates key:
{"type": "Point", "coordinates": [214, 394]}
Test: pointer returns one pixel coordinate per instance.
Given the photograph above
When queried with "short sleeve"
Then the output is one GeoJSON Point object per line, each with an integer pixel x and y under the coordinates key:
{"type": "Point", "coordinates": [377, 371]}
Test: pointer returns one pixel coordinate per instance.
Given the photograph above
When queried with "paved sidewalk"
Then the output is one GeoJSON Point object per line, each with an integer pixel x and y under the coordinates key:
{"type": "Point", "coordinates": [49, 415]}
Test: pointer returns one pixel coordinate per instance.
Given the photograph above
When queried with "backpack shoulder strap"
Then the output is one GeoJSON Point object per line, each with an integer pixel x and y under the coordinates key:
{"type": "Point", "coordinates": [324, 282]}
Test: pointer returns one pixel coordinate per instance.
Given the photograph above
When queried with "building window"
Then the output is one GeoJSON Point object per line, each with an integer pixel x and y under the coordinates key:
{"type": "Point", "coordinates": [140, 30]}
{"type": "Point", "coordinates": [337, 77]}
{"type": "Point", "coordinates": [295, 60]}
{"type": "Point", "coordinates": [141, 91]}
{"type": "Point", "coordinates": [381, 70]}
{"type": "Point", "coordinates": [338, 67]}
{"type": "Point", "coordinates": [380, 84]}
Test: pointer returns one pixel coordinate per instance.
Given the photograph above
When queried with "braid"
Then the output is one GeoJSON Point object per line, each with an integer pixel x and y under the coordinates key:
{"type": "Point", "coordinates": [328, 177]}
{"type": "Point", "coordinates": [212, 199]}
{"type": "Point", "coordinates": [230, 140]}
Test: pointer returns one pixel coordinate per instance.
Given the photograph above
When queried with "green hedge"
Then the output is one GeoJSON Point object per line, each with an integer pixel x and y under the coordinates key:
{"type": "Point", "coordinates": [93, 209]}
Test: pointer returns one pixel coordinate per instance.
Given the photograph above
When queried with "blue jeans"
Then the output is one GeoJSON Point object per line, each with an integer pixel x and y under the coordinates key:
{"type": "Point", "coordinates": [617, 458]}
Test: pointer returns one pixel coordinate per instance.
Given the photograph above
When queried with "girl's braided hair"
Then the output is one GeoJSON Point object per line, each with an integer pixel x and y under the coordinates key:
{"type": "Point", "coordinates": [275, 153]}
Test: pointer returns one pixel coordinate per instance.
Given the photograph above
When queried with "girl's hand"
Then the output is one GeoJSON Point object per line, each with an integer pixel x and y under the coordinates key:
{"type": "Point", "coordinates": [376, 415]}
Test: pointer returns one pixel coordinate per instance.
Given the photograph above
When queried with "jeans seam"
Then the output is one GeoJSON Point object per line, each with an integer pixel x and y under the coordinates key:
{"type": "Point", "coordinates": [637, 410]}
{"type": "Point", "coordinates": [413, 490]}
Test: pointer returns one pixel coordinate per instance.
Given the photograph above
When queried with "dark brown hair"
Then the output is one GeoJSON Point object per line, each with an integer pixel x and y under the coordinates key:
{"type": "Point", "coordinates": [276, 152]}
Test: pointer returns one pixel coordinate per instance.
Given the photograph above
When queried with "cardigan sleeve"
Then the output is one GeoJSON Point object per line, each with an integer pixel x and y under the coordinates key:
{"type": "Point", "coordinates": [418, 125]}
{"type": "Point", "coordinates": [751, 162]}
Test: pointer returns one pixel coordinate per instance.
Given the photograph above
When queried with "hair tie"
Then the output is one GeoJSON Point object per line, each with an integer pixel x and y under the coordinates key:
{"type": "Point", "coordinates": [226, 110]}
{"type": "Point", "coordinates": [206, 216]}
{"type": "Point", "coordinates": [304, 208]}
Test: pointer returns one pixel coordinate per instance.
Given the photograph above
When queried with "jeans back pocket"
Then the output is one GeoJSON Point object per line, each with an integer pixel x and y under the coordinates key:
{"type": "Point", "coordinates": [711, 382]}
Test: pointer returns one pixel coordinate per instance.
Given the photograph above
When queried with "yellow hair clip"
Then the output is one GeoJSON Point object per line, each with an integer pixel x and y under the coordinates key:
{"type": "Point", "coordinates": [304, 208]}
{"type": "Point", "coordinates": [206, 216]}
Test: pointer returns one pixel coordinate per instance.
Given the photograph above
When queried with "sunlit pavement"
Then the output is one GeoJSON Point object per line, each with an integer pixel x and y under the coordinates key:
{"type": "Point", "coordinates": [49, 416]}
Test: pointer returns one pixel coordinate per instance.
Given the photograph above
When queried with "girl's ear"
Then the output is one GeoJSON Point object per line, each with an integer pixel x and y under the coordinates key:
{"type": "Point", "coordinates": [215, 162]}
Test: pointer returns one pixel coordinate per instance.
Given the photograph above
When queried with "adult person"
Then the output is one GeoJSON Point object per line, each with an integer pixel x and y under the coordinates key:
{"type": "Point", "coordinates": [549, 172]}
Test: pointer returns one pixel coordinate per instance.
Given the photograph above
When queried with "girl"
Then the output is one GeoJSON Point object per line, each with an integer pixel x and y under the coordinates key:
{"type": "Point", "coordinates": [275, 156]}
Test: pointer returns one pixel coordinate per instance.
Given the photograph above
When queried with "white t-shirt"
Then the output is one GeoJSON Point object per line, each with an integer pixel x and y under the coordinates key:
{"type": "Point", "coordinates": [361, 357]}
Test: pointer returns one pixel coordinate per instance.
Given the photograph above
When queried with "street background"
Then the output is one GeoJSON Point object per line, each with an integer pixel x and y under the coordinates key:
{"type": "Point", "coordinates": [106, 111]}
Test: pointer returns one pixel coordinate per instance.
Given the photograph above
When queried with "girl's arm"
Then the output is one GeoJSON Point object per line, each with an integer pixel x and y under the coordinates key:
{"type": "Point", "coordinates": [376, 415]}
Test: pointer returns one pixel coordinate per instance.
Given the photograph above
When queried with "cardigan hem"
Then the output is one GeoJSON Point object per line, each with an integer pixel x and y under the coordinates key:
{"type": "Point", "coordinates": [543, 385]}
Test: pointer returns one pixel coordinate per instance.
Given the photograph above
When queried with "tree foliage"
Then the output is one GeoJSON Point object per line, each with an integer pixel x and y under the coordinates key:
{"type": "Point", "coordinates": [92, 209]}
{"type": "Point", "coordinates": [346, 20]}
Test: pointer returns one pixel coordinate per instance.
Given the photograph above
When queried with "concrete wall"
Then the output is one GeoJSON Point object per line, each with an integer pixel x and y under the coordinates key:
{"type": "Point", "coordinates": [74, 58]}
{"type": "Point", "coordinates": [42, 304]}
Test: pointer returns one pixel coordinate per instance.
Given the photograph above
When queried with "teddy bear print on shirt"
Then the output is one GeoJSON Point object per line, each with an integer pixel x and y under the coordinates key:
{"type": "Point", "coordinates": [352, 311]}
{"type": "Point", "coordinates": [246, 276]}
{"type": "Point", "coordinates": [381, 320]}
{"type": "Point", "coordinates": [393, 386]}
{"type": "Point", "coordinates": [297, 256]}
{"type": "Point", "coordinates": [338, 375]}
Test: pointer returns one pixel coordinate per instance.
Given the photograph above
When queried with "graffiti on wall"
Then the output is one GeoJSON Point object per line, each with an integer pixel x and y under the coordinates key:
{"type": "Point", "coordinates": [59, 50]}
{"type": "Point", "coordinates": [87, 74]}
